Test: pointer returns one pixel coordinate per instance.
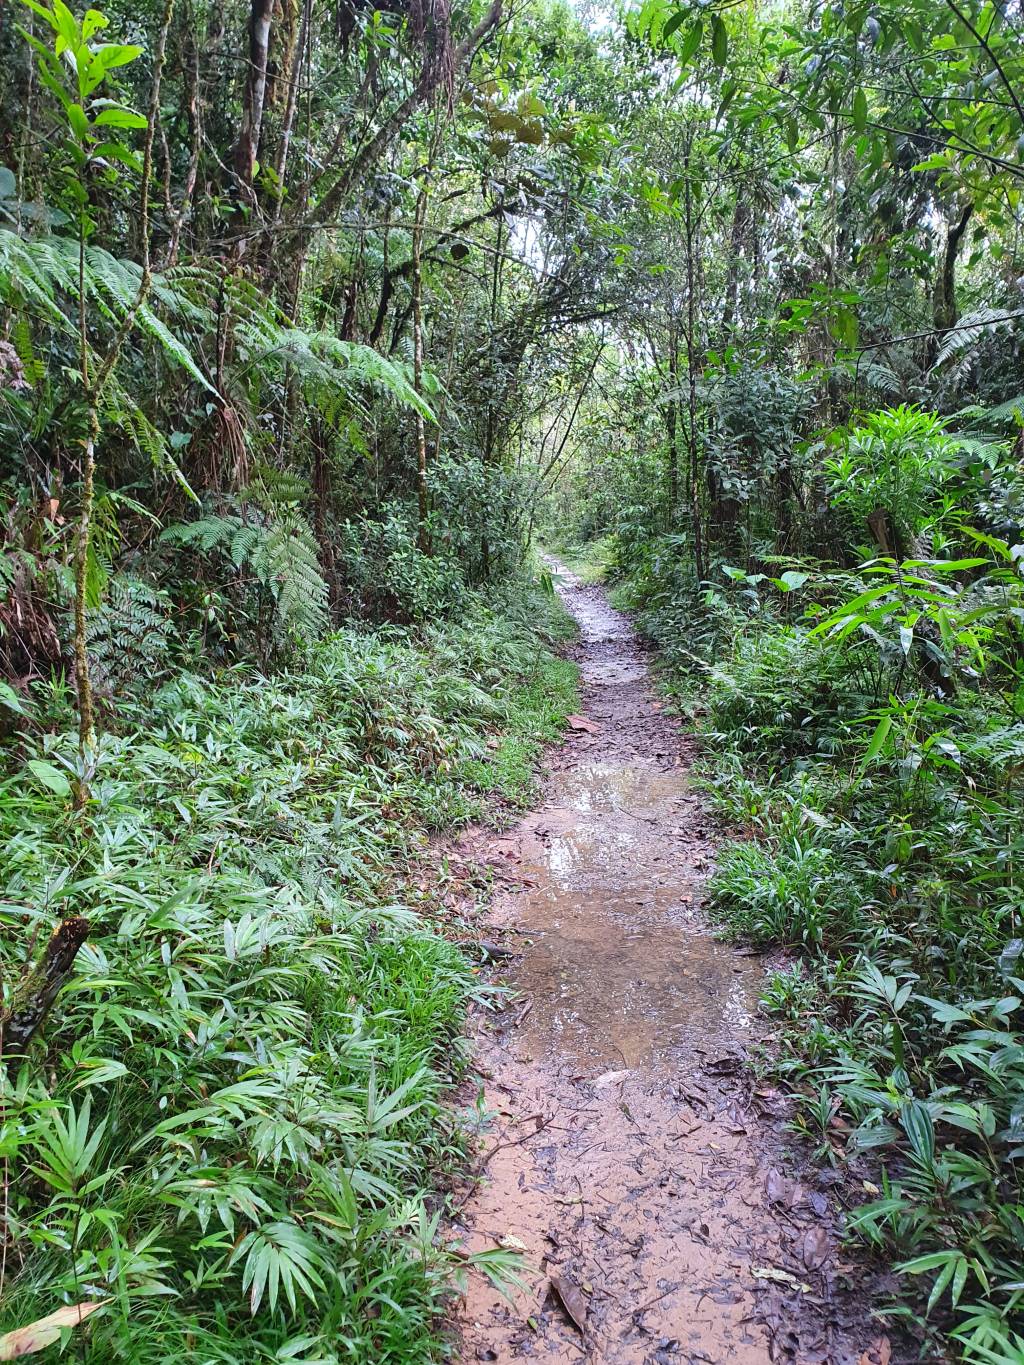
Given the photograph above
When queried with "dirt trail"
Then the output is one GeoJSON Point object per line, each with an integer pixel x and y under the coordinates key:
{"type": "Point", "coordinates": [639, 1175]}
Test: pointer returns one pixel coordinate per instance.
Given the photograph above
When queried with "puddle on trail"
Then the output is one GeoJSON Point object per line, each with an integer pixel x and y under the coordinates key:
{"type": "Point", "coordinates": [619, 1161]}
{"type": "Point", "coordinates": [616, 970]}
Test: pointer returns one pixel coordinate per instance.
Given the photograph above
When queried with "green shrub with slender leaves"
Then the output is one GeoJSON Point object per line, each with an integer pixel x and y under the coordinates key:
{"type": "Point", "coordinates": [231, 1127]}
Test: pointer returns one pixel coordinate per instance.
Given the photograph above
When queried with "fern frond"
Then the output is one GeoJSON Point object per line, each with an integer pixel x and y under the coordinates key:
{"type": "Point", "coordinates": [332, 365]}
{"type": "Point", "coordinates": [281, 555]}
{"type": "Point", "coordinates": [971, 328]}
{"type": "Point", "coordinates": [1006, 412]}
{"type": "Point", "coordinates": [130, 635]}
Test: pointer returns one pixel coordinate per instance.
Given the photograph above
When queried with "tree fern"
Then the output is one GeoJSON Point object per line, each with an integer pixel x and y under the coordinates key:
{"type": "Point", "coordinates": [330, 366]}
{"type": "Point", "coordinates": [36, 272]}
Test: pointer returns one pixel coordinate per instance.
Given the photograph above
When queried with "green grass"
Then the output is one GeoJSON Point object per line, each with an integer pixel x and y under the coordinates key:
{"type": "Point", "coordinates": [537, 715]}
{"type": "Point", "coordinates": [236, 1120]}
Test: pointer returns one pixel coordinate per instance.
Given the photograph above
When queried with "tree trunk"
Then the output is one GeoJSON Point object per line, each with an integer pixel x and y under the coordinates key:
{"type": "Point", "coordinates": [422, 497]}
{"type": "Point", "coordinates": [247, 147]}
{"type": "Point", "coordinates": [691, 366]}
{"type": "Point", "coordinates": [672, 425]}
{"type": "Point", "coordinates": [36, 991]}
{"type": "Point", "coordinates": [740, 220]}
{"type": "Point", "coordinates": [944, 310]}
{"type": "Point", "coordinates": [293, 99]}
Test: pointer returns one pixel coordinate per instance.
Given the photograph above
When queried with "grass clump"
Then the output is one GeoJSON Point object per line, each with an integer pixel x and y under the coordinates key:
{"type": "Point", "coordinates": [234, 1125]}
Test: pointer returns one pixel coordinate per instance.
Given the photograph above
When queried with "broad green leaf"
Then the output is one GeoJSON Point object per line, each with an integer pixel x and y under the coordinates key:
{"type": "Point", "coordinates": [676, 21]}
{"type": "Point", "coordinates": [51, 777]}
{"type": "Point", "coordinates": [791, 580]}
{"type": "Point", "coordinates": [719, 41]}
{"type": "Point", "coordinates": [92, 23]}
{"type": "Point", "coordinates": [881, 734]}
{"type": "Point", "coordinates": [119, 117]}
{"type": "Point", "coordinates": [43, 12]}
{"type": "Point", "coordinates": [10, 700]}
{"type": "Point", "coordinates": [691, 42]}
{"type": "Point", "coordinates": [116, 54]}
{"type": "Point", "coordinates": [860, 111]}
{"type": "Point", "coordinates": [79, 122]}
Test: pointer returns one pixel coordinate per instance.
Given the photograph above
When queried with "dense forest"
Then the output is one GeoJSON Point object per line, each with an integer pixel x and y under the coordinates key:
{"type": "Point", "coordinates": [316, 319]}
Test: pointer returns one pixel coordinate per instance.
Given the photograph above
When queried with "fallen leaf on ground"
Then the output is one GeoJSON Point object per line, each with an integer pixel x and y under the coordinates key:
{"type": "Point", "coordinates": [723, 1066]}
{"type": "Point", "coordinates": [609, 1078]}
{"type": "Point", "coordinates": [878, 1353]}
{"type": "Point", "coordinates": [815, 1247]}
{"type": "Point", "coordinates": [36, 1336]}
{"type": "Point", "coordinates": [781, 1190]}
{"type": "Point", "coordinates": [581, 723]}
{"type": "Point", "coordinates": [768, 1272]}
{"type": "Point", "coordinates": [571, 1300]}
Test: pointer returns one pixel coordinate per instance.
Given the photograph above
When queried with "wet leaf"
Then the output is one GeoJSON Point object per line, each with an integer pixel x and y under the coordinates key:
{"type": "Point", "coordinates": [781, 1190]}
{"type": "Point", "coordinates": [724, 1066]}
{"type": "Point", "coordinates": [50, 777]}
{"type": "Point", "coordinates": [36, 1336]}
{"type": "Point", "coordinates": [582, 723]}
{"type": "Point", "coordinates": [609, 1078]}
{"type": "Point", "coordinates": [571, 1300]}
{"type": "Point", "coordinates": [769, 1272]}
{"type": "Point", "coordinates": [815, 1247]}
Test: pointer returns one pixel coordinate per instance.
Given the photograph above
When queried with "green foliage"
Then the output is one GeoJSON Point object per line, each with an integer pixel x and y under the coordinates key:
{"type": "Point", "coordinates": [232, 1124]}
{"type": "Point", "coordinates": [281, 556]}
{"type": "Point", "coordinates": [801, 895]}
{"type": "Point", "coordinates": [894, 464]}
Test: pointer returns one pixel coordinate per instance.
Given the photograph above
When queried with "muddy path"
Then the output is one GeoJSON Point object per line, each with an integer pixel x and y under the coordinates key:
{"type": "Point", "coordinates": [631, 1160]}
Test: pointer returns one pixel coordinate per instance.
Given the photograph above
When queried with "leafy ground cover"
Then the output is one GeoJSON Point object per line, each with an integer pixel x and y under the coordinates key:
{"type": "Point", "coordinates": [234, 1127]}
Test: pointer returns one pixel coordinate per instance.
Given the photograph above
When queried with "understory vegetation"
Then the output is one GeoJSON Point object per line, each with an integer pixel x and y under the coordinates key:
{"type": "Point", "coordinates": [862, 735]}
{"type": "Point", "coordinates": [242, 1119]}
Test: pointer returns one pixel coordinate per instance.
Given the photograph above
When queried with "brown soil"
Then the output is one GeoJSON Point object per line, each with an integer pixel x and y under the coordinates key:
{"type": "Point", "coordinates": [630, 1159]}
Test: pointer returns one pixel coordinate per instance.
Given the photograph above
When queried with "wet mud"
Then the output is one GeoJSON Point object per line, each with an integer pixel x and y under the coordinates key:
{"type": "Point", "coordinates": [631, 1160]}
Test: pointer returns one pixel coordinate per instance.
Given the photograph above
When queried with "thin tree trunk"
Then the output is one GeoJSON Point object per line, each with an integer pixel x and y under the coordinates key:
{"type": "Point", "coordinates": [422, 496]}
{"type": "Point", "coordinates": [93, 386]}
{"type": "Point", "coordinates": [691, 366]}
{"type": "Point", "coordinates": [492, 367]}
{"type": "Point", "coordinates": [740, 219]}
{"type": "Point", "coordinates": [672, 424]}
{"type": "Point", "coordinates": [260, 19]}
{"type": "Point", "coordinates": [293, 100]}
{"type": "Point", "coordinates": [944, 310]}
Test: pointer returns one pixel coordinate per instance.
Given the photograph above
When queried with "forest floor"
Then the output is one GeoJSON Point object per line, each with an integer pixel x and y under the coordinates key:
{"type": "Point", "coordinates": [634, 1161]}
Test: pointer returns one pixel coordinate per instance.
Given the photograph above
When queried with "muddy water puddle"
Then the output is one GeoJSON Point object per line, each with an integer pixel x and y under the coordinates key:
{"type": "Point", "coordinates": [622, 1160]}
{"type": "Point", "coordinates": [616, 970]}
